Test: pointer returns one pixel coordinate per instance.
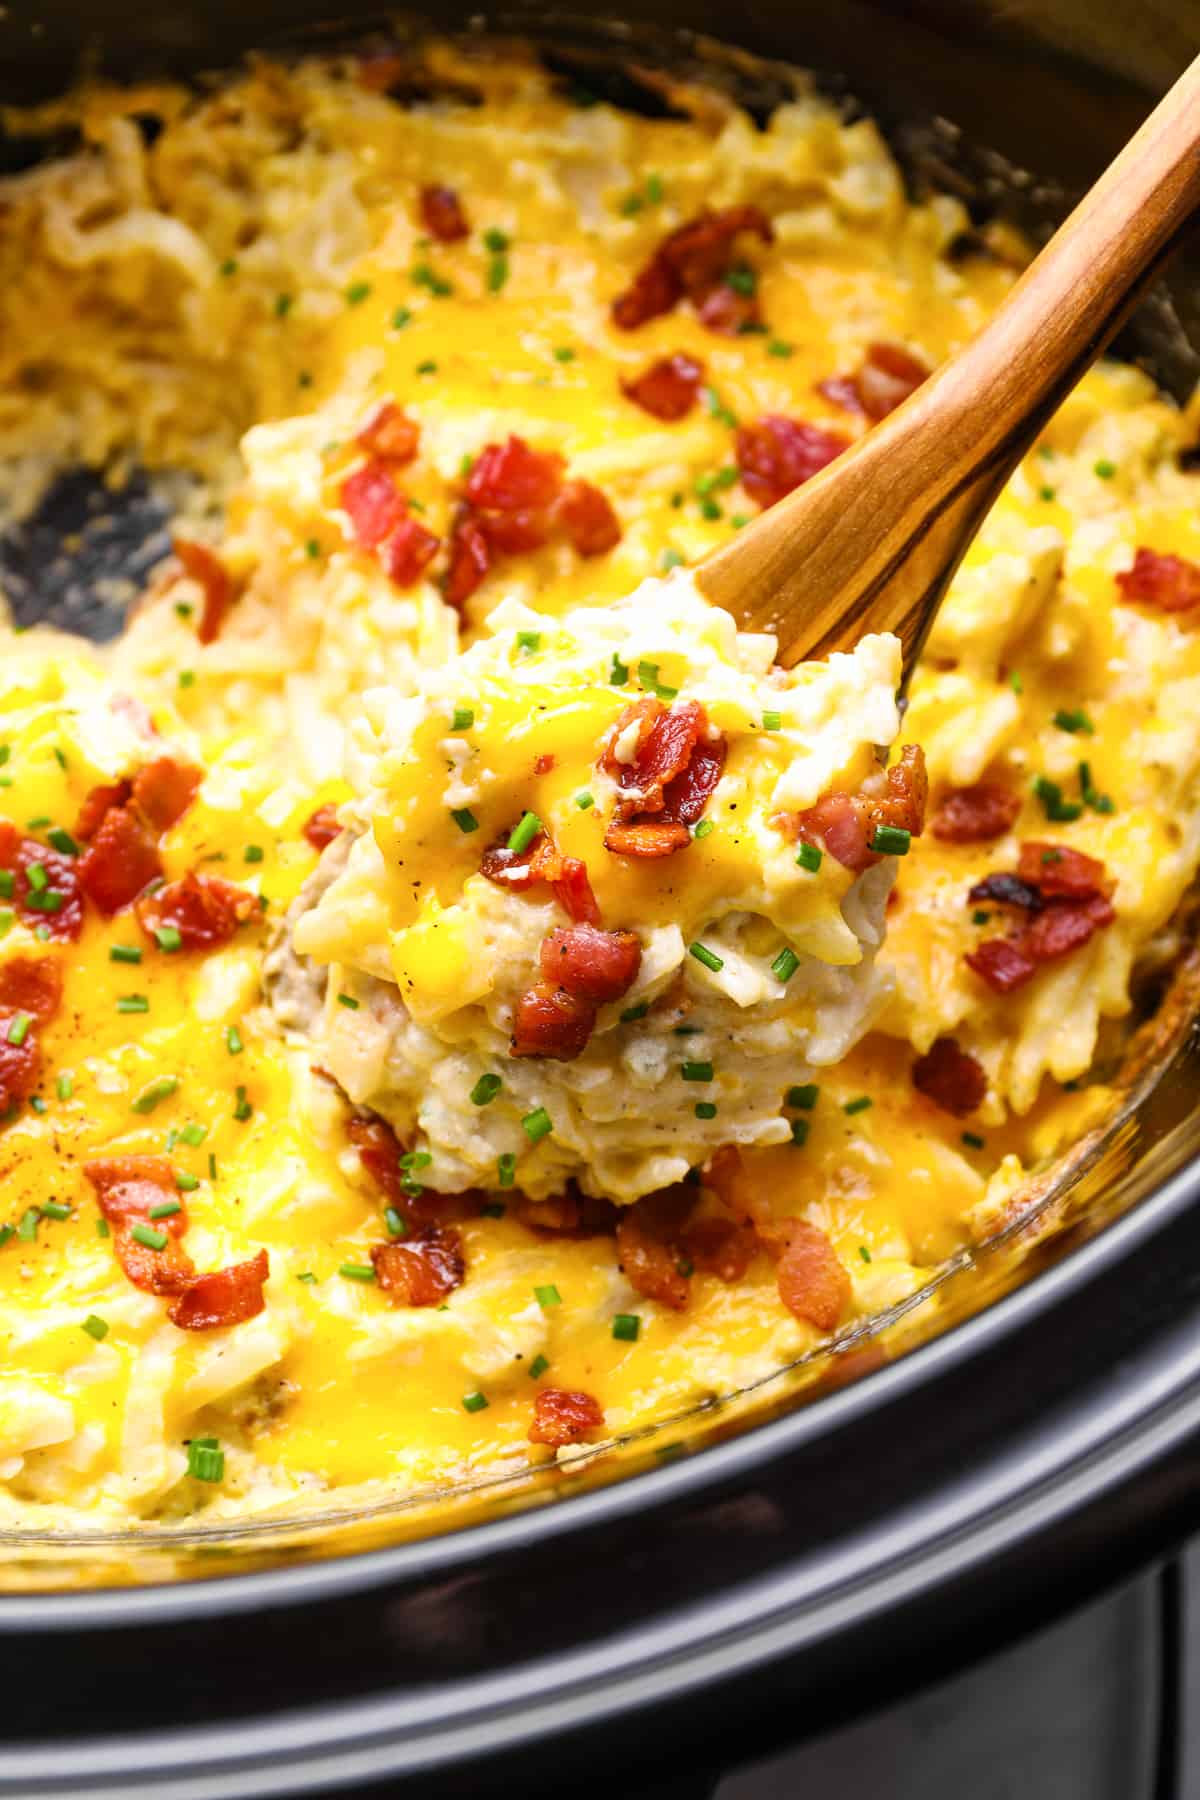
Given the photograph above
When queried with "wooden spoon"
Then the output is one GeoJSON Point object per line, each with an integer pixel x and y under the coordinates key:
{"type": "Point", "coordinates": [870, 544]}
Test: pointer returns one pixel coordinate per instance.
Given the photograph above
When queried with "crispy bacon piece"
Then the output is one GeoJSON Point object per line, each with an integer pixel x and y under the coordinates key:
{"type": "Point", "coordinates": [164, 789]}
{"type": "Point", "coordinates": [442, 214]}
{"type": "Point", "coordinates": [720, 1247]}
{"type": "Point", "coordinates": [565, 1416]}
{"type": "Point", "coordinates": [549, 1021]}
{"type": "Point", "coordinates": [588, 518]}
{"type": "Point", "coordinates": [887, 375]}
{"type": "Point", "coordinates": [1059, 872]}
{"type": "Point", "coordinates": [975, 815]}
{"type": "Point", "coordinates": [812, 1282]}
{"type": "Point", "coordinates": [121, 860]}
{"type": "Point", "coordinates": [665, 785]}
{"type": "Point", "coordinates": [567, 875]}
{"type": "Point", "coordinates": [951, 1078]}
{"type": "Point", "coordinates": [647, 838]}
{"type": "Point", "coordinates": [389, 433]}
{"type": "Point", "coordinates": [1171, 583]}
{"type": "Point", "coordinates": [97, 802]}
{"type": "Point", "coordinates": [690, 264]}
{"type": "Point", "coordinates": [222, 1297]}
{"type": "Point", "coordinates": [907, 792]}
{"type": "Point", "coordinates": [32, 984]}
{"type": "Point", "coordinates": [1003, 889]}
{"type": "Point", "coordinates": [373, 503]}
{"type": "Point", "coordinates": [647, 1246]}
{"type": "Point", "coordinates": [513, 478]}
{"type": "Point", "coordinates": [1065, 925]}
{"type": "Point", "coordinates": [470, 560]}
{"type": "Point", "coordinates": [407, 552]}
{"type": "Point", "coordinates": [205, 911]}
{"type": "Point", "coordinates": [321, 827]}
{"type": "Point", "coordinates": [688, 793]}
{"type": "Point", "coordinates": [571, 1214]}
{"type": "Point", "coordinates": [839, 823]}
{"type": "Point", "coordinates": [595, 965]}
{"type": "Point", "coordinates": [204, 566]}
{"type": "Point", "coordinates": [127, 1187]}
{"type": "Point", "coordinates": [381, 1154]}
{"type": "Point", "coordinates": [59, 904]}
{"type": "Point", "coordinates": [20, 1064]}
{"type": "Point", "coordinates": [777, 454]}
{"type": "Point", "coordinates": [1003, 963]}
{"type": "Point", "coordinates": [422, 1269]}
{"type": "Point", "coordinates": [667, 390]}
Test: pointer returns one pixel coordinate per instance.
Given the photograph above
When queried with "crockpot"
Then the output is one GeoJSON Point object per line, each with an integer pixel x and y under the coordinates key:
{"type": "Point", "coordinates": [747, 1587]}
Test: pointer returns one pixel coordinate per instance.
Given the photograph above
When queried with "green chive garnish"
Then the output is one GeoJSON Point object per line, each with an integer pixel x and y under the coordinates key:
{"type": "Point", "coordinates": [54, 1209]}
{"type": "Point", "coordinates": [705, 1109]}
{"type": "Point", "coordinates": [18, 1029]}
{"type": "Point", "coordinates": [547, 1296]}
{"type": "Point", "coordinates": [95, 1326]}
{"type": "Point", "coordinates": [133, 1003]}
{"type": "Point", "coordinates": [637, 1011]}
{"type": "Point", "coordinates": [891, 840]}
{"type": "Point", "coordinates": [584, 800]}
{"type": "Point", "coordinates": [529, 641]}
{"type": "Point", "coordinates": [125, 953]}
{"type": "Point", "coordinates": [524, 832]}
{"type": "Point", "coordinates": [785, 964]}
{"type": "Point", "coordinates": [538, 1366]}
{"type": "Point", "coordinates": [485, 1090]}
{"type": "Point", "coordinates": [696, 1071]}
{"type": "Point", "coordinates": [62, 840]}
{"type": "Point", "coordinates": [858, 1105]}
{"type": "Point", "coordinates": [233, 1040]}
{"type": "Point", "coordinates": [348, 1001]}
{"type": "Point", "coordinates": [169, 937]}
{"type": "Point", "coordinates": [708, 957]}
{"type": "Point", "coordinates": [803, 1097]}
{"type": "Point", "coordinates": [396, 1223]}
{"type": "Point", "coordinates": [155, 1091]}
{"type": "Point", "coordinates": [146, 1234]}
{"type": "Point", "coordinates": [64, 1087]}
{"type": "Point", "coordinates": [475, 1402]}
{"type": "Point", "coordinates": [809, 857]}
{"type": "Point", "coordinates": [206, 1460]}
{"type": "Point", "coordinates": [506, 1169]}
{"type": "Point", "coordinates": [465, 819]}
{"type": "Point", "coordinates": [537, 1124]}
{"type": "Point", "coordinates": [168, 1208]}
{"type": "Point", "coordinates": [463, 719]}
{"type": "Point", "coordinates": [626, 1326]}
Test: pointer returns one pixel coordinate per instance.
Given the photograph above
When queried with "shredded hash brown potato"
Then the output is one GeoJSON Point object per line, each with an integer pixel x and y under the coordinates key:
{"type": "Point", "coordinates": [443, 1017]}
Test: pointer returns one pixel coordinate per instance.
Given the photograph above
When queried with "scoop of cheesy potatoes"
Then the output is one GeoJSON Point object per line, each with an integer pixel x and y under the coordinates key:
{"type": "Point", "coordinates": [446, 1019]}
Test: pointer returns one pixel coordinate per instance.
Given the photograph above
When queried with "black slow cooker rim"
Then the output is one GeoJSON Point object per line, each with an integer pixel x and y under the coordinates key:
{"type": "Point", "coordinates": [720, 1464]}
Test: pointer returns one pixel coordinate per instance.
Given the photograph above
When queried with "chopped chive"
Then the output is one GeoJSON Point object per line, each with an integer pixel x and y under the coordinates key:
{"type": "Point", "coordinates": [125, 953]}
{"type": "Point", "coordinates": [253, 853]}
{"type": "Point", "coordinates": [18, 1029]}
{"type": "Point", "coordinates": [348, 1001]}
{"type": "Point", "coordinates": [705, 1109]}
{"type": "Point", "coordinates": [496, 240]}
{"type": "Point", "coordinates": [354, 1271]}
{"type": "Point", "coordinates": [424, 276]}
{"type": "Point", "coordinates": [972, 1140]}
{"type": "Point", "coordinates": [980, 917]}
{"type": "Point", "coordinates": [803, 1097]}
{"type": "Point", "coordinates": [485, 1090]}
{"type": "Point", "coordinates": [626, 1326]}
{"type": "Point", "coordinates": [37, 1104]}
{"type": "Point", "coordinates": [147, 1235]}
{"type": "Point", "coordinates": [8, 919]}
{"type": "Point", "coordinates": [702, 828]}
{"type": "Point", "coordinates": [212, 1166]}
{"type": "Point", "coordinates": [64, 1087]}
{"type": "Point", "coordinates": [307, 1277]}
{"type": "Point", "coordinates": [233, 1040]}
{"type": "Point", "coordinates": [1074, 720]}
{"type": "Point", "coordinates": [1104, 469]}
{"type": "Point", "coordinates": [584, 800]}
{"type": "Point", "coordinates": [465, 819]}
{"type": "Point", "coordinates": [475, 1402]}
{"type": "Point", "coordinates": [396, 1223]}
{"type": "Point", "coordinates": [49, 900]}
{"type": "Point", "coordinates": [506, 1169]}
{"type": "Point", "coordinates": [429, 367]}
{"type": "Point", "coordinates": [864, 1253]}
{"type": "Point", "coordinates": [524, 832]}
{"type": "Point", "coordinates": [401, 317]}
{"type": "Point", "coordinates": [497, 273]}
{"type": "Point", "coordinates": [708, 957]}
{"type": "Point", "coordinates": [28, 1224]}
{"type": "Point", "coordinates": [133, 1003]}
{"type": "Point", "coordinates": [37, 877]}
{"type": "Point", "coordinates": [891, 840]}
{"type": "Point", "coordinates": [547, 1296]}
{"type": "Point", "coordinates": [1016, 681]}
{"type": "Point", "coordinates": [95, 1326]}
{"type": "Point", "coordinates": [168, 1208]}
{"type": "Point", "coordinates": [785, 964]}
{"type": "Point", "coordinates": [618, 672]}
{"type": "Point", "coordinates": [357, 292]}
{"type": "Point", "coordinates": [777, 347]}
{"type": "Point", "coordinates": [800, 1129]}
{"type": "Point", "coordinates": [169, 937]}
{"type": "Point", "coordinates": [37, 824]}
{"type": "Point", "coordinates": [670, 559]}
{"type": "Point", "coordinates": [206, 1460]}
{"type": "Point", "coordinates": [193, 1135]}
{"type": "Point", "coordinates": [637, 1011]}
{"type": "Point", "coordinates": [8, 882]}
{"type": "Point", "coordinates": [62, 840]}
{"type": "Point", "coordinates": [538, 1366]}
{"type": "Point", "coordinates": [102, 1230]}
{"type": "Point", "coordinates": [154, 1092]}
{"type": "Point", "coordinates": [537, 1124]}
{"type": "Point", "coordinates": [187, 678]}
{"type": "Point", "coordinates": [718, 409]}
{"type": "Point", "coordinates": [563, 353]}
{"type": "Point", "coordinates": [858, 1105]}
{"type": "Point", "coordinates": [1057, 809]}
{"type": "Point", "coordinates": [809, 857]}
{"type": "Point", "coordinates": [1047, 494]}
{"type": "Point", "coordinates": [283, 305]}
{"type": "Point", "coordinates": [54, 1209]}
{"type": "Point", "coordinates": [772, 721]}
{"type": "Point", "coordinates": [696, 1071]}
{"type": "Point", "coordinates": [529, 641]}
{"type": "Point", "coordinates": [242, 1109]}
{"type": "Point", "coordinates": [463, 719]}
{"type": "Point", "coordinates": [186, 1182]}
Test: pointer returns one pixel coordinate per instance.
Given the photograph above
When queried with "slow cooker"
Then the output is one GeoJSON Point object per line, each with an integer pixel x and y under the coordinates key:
{"type": "Point", "coordinates": [747, 1588]}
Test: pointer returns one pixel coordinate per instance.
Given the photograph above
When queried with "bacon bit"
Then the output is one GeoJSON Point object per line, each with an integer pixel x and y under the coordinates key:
{"type": "Point", "coordinates": [127, 1187]}
{"type": "Point", "coordinates": [573, 891]}
{"type": "Point", "coordinates": [565, 1416]}
{"type": "Point", "coordinates": [812, 1282]}
{"type": "Point", "coordinates": [778, 454]}
{"type": "Point", "coordinates": [720, 1247]}
{"type": "Point", "coordinates": [666, 785]}
{"type": "Point", "coordinates": [470, 560]}
{"type": "Point", "coordinates": [1061, 873]}
{"type": "Point", "coordinates": [442, 214]}
{"type": "Point", "coordinates": [596, 965]}
{"type": "Point", "coordinates": [588, 518]}
{"type": "Point", "coordinates": [667, 389]}
{"type": "Point", "coordinates": [685, 798]}
{"type": "Point", "coordinates": [513, 478]}
{"type": "Point", "coordinates": [390, 433]}
{"type": "Point", "coordinates": [32, 984]}
{"type": "Point", "coordinates": [1003, 889]}
{"type": "Point", "coordinates": [646, 1249]}
{"type": "Point", "coordinates": [17, 855]}
{"type": "Point", "coordinates": [543, 764]}
{"type": "Point", "coordinates": [20, 1064]}
{"type": "Point", "coordinates": [164, 789]}
{"type": "Point", "coordinates": [1003, 963]}
{"type": "Point", "coordinates": [321, 827]}
{"type": "Point", "coordinates": [647, 838]}
{"type": "Point", "coordinates": [422, 1269]}
{"type": "Point", "coordinates": [569, 1215]}
{"type": "Point", "coordinates": [903, 804]}
{"type": "Point", "coordinates": [205, 567]}
{"type": "Point", "coordinates": [950, 1078]}
{"type": "Point", "coordinates": [567, 875]}
{"type": "Point", "coordinates": [1171, 583]}
{"type": "Point", "coordinates": [975, 815]}
{"type": "Point", "coordinates": [407, 552]}
{"type": "Point", "coordinates": [548, 1021]}
{"type": "Point", "coordinates": [373, 503]}
{"type": "Point", "coordinates": [97, 802]}
{"type": "Point", "coordinates": [222, 1297]}
{"type": "Point", "coordinates": [838, 822]}
{"type": "Point", "coordinates": [887, 376]}
{"type": "Point", "coordinates": [380, 1152]}
{"type": "Point", "coordinates": [1065, 925]}
{"type": "Point", "coordinates": [690, 264]}
{"type": "Point", "coordinates": [205, 911]}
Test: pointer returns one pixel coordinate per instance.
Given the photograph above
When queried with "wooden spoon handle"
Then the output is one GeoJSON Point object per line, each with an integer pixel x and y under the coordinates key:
{"type": "Point", "coordinates": [871, 543]}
